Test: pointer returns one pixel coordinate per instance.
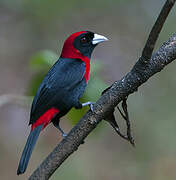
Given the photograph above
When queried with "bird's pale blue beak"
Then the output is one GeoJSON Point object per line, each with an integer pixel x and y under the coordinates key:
{"type": "Point", "coordinates": [98, 39]}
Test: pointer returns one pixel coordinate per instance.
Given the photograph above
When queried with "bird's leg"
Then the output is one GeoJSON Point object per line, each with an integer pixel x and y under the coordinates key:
{"type": "Point", "coordinates": [90, 104]}
{"type": "Point", "coordinates": [60, 129]}
{"type": "Point", "coordinates": [62, 132]}
{"type": "Point", "coordinates": [79, 105]}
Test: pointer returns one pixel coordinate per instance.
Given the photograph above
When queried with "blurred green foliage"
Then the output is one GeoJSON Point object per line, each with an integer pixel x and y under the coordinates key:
{"type": "Point", "coordinates": [42, 61]}
{"type": "Point", "coordinates": [43, 11]}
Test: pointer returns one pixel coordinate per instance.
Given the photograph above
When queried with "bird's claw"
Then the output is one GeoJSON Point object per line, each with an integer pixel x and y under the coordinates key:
{"type": "Point", "coordinates": [64, 135]}
{"type": "Point", "coordinates": [90, 104]}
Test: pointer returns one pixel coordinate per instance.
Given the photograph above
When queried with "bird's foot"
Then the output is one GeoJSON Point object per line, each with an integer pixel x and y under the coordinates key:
{"type": "Point", "coordinates": [64, 135]}
{"type": "Point", "coordinates": [60, 129]}
{"type": "Point", "coordinates": [90, 104]}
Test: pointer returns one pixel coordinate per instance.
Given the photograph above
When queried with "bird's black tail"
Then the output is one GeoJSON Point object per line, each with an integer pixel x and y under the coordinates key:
{"type": "Point", "coordinates": [31, 141]}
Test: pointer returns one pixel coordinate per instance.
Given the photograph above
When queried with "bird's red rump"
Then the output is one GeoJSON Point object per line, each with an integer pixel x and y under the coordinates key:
{"type": "Point", "coordinates": [46, 118]}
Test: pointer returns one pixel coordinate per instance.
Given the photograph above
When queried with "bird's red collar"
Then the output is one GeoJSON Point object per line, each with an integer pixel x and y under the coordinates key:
{"type": "Point", "coordinates": [69, 51]}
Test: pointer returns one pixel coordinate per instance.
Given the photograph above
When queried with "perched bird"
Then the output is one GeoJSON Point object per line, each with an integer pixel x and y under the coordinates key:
{"type": "Point", "coordinates": [61, 89]}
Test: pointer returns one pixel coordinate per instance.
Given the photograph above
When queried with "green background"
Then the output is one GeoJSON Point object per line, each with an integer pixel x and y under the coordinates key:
{"type": "Point", "coordinates": [31, 37]}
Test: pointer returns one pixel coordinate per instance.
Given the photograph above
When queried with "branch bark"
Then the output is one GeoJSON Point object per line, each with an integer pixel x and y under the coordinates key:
{"type": "Point", "coordinates": [121, 89]}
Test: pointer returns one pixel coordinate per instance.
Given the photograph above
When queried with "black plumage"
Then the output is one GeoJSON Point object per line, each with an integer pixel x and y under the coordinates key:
{"type": "Point", "coordinates": [61, 88]}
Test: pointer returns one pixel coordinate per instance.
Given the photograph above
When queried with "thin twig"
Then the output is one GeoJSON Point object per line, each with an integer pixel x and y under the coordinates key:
{"type": "Point", "coordinates": [128, 124]}
{"type": "Point", "coordinates": [153, 36]}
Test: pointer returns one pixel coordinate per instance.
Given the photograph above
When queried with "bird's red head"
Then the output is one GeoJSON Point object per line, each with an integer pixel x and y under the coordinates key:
{"type": "Point", "coordinates": [81, 44]}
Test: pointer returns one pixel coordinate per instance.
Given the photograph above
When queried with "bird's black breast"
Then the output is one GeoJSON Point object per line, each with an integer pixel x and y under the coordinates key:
{"type": "Point", "coordinates": [63, 85]}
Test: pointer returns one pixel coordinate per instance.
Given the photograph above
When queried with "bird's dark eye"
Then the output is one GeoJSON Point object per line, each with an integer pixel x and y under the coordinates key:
{"type": "Point", "coordinates": [84, 40]}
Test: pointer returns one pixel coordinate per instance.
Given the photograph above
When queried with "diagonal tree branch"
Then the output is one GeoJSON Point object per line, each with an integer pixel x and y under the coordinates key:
{"type": "Point", "coordinates": [119, 90]}
{"type": "Point", "coordinates": [139, 74]}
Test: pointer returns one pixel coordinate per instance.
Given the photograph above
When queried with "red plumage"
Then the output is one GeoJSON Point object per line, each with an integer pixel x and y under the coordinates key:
{"type": "Point", "coordinates": [45, 118]}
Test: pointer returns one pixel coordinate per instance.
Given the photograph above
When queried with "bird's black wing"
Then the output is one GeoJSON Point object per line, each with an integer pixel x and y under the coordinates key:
{"type": "Point", "coordinates": [63, 76]}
